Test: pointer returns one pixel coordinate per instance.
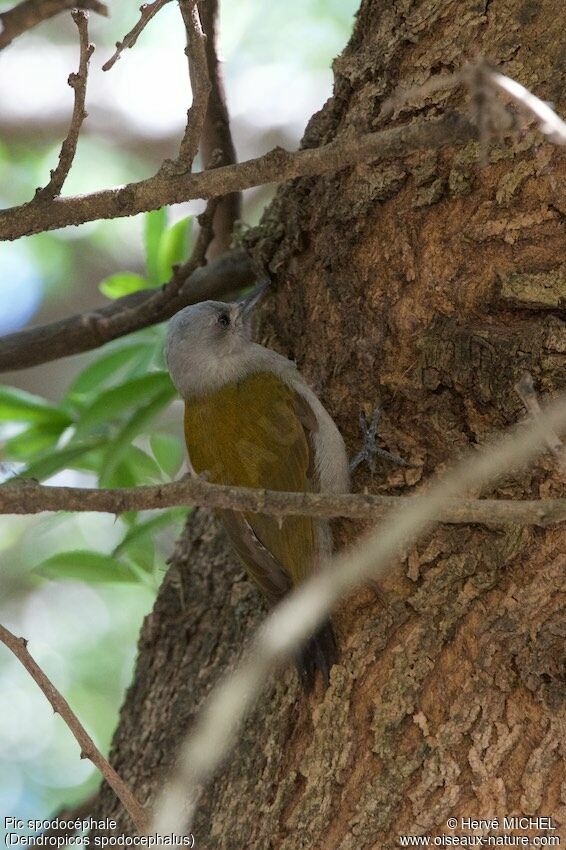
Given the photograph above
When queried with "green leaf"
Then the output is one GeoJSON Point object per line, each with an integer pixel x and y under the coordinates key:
{"type": "Point", "coordinates": [105, 369]}
{"type": "Point", "coordinates": [140, 556]}
{"type": "Point", "coordinates": [121, 284]}
{"type": "Point", "coordinates": [131, 429]}
{"type": "Point", "coordinates": [83, 565]}
{"type": "Point", "coordinates": [20, 406]}
{"type": "Point", "coordinates": [145, 528]}
{"type": "Point", "coordinates": [144, 467]}
{"type": "Point", "coordinates": [117, 400]}
{"type": "Point", "coordinates": [92, 460]}
{"type": "Point", "coordinates": [51, 462]}
{"type": "Point", "coordinates": [35, 439]}
{"type": "Point", "coordinates": [168, 452]}
{"type": "Point", "coordinates": [121, 475]}
{"type": "Point", "coordinates": [173, 247]}
{"type": "Point", "coordinates": [136, 467]}
{"type": "Point", "coordinates": [129, 518]}
{"type": "Point", "coordinates": [153, 228]}
{"type": "Point", "coordinates": [145, 362]}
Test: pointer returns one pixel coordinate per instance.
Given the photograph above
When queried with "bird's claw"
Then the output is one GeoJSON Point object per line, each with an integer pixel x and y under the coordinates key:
{"type": "Point", "coordinates": [370, 450]}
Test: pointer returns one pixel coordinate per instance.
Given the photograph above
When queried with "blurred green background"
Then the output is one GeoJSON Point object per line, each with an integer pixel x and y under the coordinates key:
{"type": "Point", "coordinates": [77, 587]}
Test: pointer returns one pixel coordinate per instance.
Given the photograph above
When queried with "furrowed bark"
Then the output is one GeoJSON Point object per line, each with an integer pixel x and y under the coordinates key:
{"type": "Point", "coordinates": [431, 285]}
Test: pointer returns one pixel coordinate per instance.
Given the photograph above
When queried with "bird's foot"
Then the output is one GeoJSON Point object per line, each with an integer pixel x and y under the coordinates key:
{"type": "Point", "coordinates": [370, 450]}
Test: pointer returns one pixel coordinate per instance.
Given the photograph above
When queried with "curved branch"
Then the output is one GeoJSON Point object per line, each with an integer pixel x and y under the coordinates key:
{"type": "Point", "coordinates": [169, 186]}
{"type": "Point", "coordinates": [147, 12]}
{"type": "Point", "coordinates": [25, 496]}
{"type": "Point", "coordinates": [200, 85]}
{"type": "Point", "coordinates": [30, 13]}
{"type": "Point", "coordinates": [216, 144]}
{"type": "Point", "coordinates": [277, 166]}
{"type": "Point", "coordinates": [196, 52]}
{"type": "Point", "coordinates": [78, 83]}
{"type": "Point", "coordinates": [86, 331]}
{"type": "Point", "coordinates": [168, 293]}
{"type": "Point", "coordinates": [88, 748]}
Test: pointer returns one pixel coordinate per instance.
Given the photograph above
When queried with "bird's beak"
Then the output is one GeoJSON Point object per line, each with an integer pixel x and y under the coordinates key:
{"type": "Point", "coordinates": [247, 304]}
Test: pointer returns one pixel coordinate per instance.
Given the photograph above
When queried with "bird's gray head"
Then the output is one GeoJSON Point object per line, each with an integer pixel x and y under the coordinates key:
{"type": "Point", "coordinates": [209, 344]}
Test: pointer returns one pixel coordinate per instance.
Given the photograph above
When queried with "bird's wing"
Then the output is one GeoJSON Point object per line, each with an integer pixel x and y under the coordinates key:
{"type": "Point", "coordinates": [280, 552]}
{"type": "Point", "coordinates": [257, 433]}
{"type": "Point", "coordinates": [261, 564]}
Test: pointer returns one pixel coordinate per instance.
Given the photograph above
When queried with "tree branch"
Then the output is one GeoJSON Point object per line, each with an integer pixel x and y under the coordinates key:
{"type": "Point", "coordinates": [302, 611]}
{"type": "Point", "coordinates": [216, 144]}
{"type": "Point", "coordinates": [198, 70]}
{"type": "Point", "coordinates": [162, 298]}
{"type": "Point", "coordinates": [277, 166]}
{"type": "Point", "coordinates": [88, 748]}
{"type": "Point", "coordinates": [30, 13]}
{"type": "Point", "coordinates": [200, 85]}
{"type": "Point", "coordinates": [86, 331]}
{"type": "Point", "coordinates": [78, 83]}
{"type": "Point", "coordinates": [24, 496]}
{"type": "Point", "coordinates": [147, 12]}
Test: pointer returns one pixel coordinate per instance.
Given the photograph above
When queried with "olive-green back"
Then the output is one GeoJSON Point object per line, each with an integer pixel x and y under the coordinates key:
{"type": "Point", "coordinates": [250, 434]}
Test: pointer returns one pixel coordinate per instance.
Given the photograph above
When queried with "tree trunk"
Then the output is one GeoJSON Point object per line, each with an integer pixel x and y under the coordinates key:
{"type": "Point", "coordinates": [428, 285]}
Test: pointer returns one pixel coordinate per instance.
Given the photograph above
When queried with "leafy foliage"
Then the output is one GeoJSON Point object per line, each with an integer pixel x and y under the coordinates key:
{"type": "Point", "coordinates": [19, 406]}
{"type": "Point", "coordinates": [85, 566]}
{"type": "Point", "coordinates": [164, 248]}
{"type": "Point", "coordinates": [107, 425]}
{"type": "Point", "coordinates": [93, 627]}
{"type": "Point", "coordinates": [121, 284]}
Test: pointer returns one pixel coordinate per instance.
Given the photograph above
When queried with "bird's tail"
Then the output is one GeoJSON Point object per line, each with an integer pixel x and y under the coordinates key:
{"type": "Point", "coordinates": [320, 653]}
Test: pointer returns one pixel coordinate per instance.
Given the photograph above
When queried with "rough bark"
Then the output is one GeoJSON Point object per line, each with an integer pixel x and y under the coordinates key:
{"type": "Point", "coordinates": [430, 285]}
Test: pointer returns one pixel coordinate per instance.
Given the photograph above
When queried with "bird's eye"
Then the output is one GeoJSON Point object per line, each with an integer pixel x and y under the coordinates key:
{"type": "Point", "coordinates": [224, 320]}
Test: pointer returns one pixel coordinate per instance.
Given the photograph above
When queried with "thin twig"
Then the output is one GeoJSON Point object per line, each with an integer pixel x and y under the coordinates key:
{"type": "Point", "coordinates": [300, 614]}
{"type": "Point", "coordinates": [162, 299]}
{"type": "Point", "coordinates": [86, 331]}
{"type": "Point", "coordinates": [24, 496]}
{"type": "Point", "coordinates": [88, 748]}
{"type": "Point", "coordinates": [147, 12]}
{"type": "Point", "coordinates": [216, 144]}
{"type": "Point", "coordinates": [277, 166]}
{"type": "Point", "coordinates": [525, 389]}
{"type": "Point", "coordinates": [200, 85]}
{"type": "Point", "coordinates": [30, 13]}
{"type": "Point", "coordinates": [78, 83]}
